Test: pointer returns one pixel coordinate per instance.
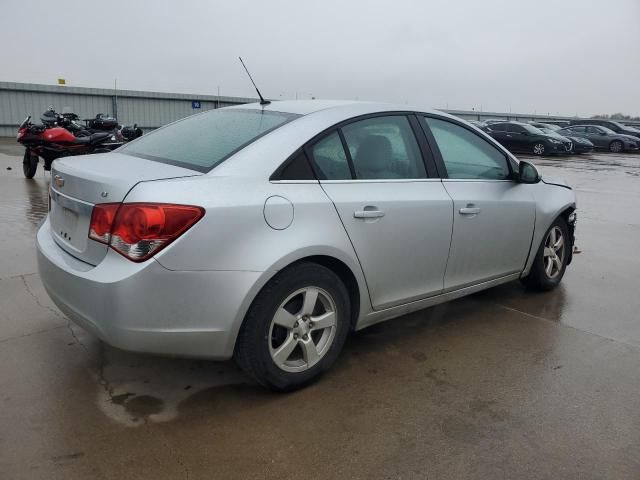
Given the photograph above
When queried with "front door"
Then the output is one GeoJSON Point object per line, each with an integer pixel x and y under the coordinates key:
{"type": "Point", "coordinates": [596, 136]}
{"type": "Point", "coordinates": [398, 220]}
{"type": "Point", "coordinates": [493, 216]}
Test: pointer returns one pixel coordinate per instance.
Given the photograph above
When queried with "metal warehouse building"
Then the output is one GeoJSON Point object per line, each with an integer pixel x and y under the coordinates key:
{"type": "Point", "coordinates": [148, 109]}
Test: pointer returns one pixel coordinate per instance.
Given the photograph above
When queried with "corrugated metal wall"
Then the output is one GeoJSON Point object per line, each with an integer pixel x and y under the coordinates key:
{"type": "Point", "coordinates": [148, 109]}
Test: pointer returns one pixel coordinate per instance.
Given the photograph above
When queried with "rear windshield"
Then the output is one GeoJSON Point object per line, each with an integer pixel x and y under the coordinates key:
{"type": "Point", "coordinates": [201, 142]}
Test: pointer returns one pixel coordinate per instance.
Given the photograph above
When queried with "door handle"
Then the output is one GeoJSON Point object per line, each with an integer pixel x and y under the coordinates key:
{"type": "Point", "coordinates": [368, 213]}
{"type": "Point", "coordinates": [469, 210]}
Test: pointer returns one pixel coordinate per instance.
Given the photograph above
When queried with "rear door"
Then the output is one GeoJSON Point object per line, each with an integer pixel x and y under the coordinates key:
{"type": "Point", "coordinates": [398, 219]}
{"type": "Point", "coordinates": [493, 216]}
{"type": "Point", "coordinates": [518, 138]}
{"type": "Point", "coordinates": [499, 132]}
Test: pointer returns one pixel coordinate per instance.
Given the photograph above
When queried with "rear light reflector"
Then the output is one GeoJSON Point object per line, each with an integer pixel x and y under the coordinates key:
{"type": "Point", "coordinates": [140, 230]}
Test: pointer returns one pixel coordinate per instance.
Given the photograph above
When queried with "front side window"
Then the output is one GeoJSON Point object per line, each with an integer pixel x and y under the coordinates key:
{"type": "Point", "coordinates": [330, 158]}
{"type": "Point", "coordinates": [465, 154]}
{"type": "Point", "coordinates": [384, 148]}
{"type": "Point", "coordinates": [201, 142]}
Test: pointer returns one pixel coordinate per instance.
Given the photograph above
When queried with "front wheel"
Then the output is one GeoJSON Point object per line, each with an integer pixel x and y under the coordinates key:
{"type": "Point", "coordinates": [551, 260]}
{"type": "Point", "coordinates": [538, 148]}
{"type": "Point", "coordinates": [295, 328]}
{"type": "Point", "coordinates": [29, 163]}
{"type": "Point", "coordinates": [616, 146]}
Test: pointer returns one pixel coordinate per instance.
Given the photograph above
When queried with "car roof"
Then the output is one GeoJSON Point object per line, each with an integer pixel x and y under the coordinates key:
{"type": "Point", "coordinates": [346, 107]}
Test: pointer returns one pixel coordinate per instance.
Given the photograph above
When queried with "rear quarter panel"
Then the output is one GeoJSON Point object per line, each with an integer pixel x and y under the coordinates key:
{"type": "Point", "coordinates": [233, 235]}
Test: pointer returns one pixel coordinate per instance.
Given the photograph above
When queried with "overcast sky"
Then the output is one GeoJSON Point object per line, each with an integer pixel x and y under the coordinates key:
{"type": "Point", "coordinates": [544, 56]}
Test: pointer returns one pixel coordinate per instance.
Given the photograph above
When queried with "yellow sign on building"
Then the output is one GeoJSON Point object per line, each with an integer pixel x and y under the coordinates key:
{"type": "Point", "coordinates": [62, 81]}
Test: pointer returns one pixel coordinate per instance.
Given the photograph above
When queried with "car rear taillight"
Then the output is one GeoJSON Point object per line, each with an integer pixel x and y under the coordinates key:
{"type": "Point", "coordinates": [140, 230]}
{"type": "Point", "coordinates": [101, 220]}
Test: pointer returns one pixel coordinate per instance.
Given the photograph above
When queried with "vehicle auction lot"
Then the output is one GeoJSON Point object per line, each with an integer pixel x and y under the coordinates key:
{"type": "Point", "coordinates": [502, 384]}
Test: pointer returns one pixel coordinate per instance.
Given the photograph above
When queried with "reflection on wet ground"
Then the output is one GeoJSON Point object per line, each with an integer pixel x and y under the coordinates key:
{"type": "Point", "coordinates": [503, 384]}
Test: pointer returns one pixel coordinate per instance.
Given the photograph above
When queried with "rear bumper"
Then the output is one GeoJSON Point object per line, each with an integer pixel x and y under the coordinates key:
{"type": "Point", "coordinates": [145, 307]}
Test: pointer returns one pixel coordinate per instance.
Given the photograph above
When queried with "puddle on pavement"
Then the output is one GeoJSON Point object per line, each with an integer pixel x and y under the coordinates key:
{"type": "Point", "coordinates": [134, 389]}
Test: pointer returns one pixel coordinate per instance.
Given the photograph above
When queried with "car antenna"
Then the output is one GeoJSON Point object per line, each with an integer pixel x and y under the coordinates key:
{"type": "Point", "coordinates": [262, 100]}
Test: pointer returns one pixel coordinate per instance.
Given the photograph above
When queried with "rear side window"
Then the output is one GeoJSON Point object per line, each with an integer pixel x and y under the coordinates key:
{"type": "Point", "coordinates": [465, 154]}
{"type": "Point", "coordinates": [384, 148]}
{"type": "Point", "coordinates": [330, 158]}
{"type": "Point", "coordinates": [297, 168]}
{"type": "Point", "coordinates": [201, 142]}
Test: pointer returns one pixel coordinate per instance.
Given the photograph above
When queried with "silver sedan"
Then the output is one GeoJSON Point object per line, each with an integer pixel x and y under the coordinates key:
{"type": "Point", "coordinates": [268, 233]}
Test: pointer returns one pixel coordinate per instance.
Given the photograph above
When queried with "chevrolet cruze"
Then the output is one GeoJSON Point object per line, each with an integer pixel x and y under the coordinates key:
{"type": "Point", "coordinates": [267, 233]}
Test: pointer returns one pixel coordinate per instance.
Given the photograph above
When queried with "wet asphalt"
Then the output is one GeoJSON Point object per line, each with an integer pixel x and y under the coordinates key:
{"type": "Point", "coordinates": [502, 384]}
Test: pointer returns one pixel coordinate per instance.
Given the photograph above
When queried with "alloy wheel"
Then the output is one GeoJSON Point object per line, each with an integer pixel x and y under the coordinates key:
{"type": "Point", "coordinates": [616, 146]}
{"type": "Point", "coordinates": [538, 149]}
{"type": "Point", "coordinates": [554, 251]}
{"type": "Point", "coordinates": [302, 329]}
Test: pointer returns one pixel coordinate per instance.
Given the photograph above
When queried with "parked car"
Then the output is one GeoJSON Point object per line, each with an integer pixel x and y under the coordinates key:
{"type": "Point", "coordinates": [522, 137]}
{"type": "Point", "coordinates": [580, 144]}
{"type": "Point", "coordinates": [617, 127]}
{"type": "Point", "coordinates": [185, 242]}
{"type": "Point", "coordinates": [603, 138]}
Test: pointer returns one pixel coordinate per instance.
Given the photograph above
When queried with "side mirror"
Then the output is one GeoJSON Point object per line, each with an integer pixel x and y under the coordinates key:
{"type": "Point", "coordinates": [527, 173]}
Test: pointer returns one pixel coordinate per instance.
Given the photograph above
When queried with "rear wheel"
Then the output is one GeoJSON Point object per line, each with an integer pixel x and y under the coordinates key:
{"type": "Point", "coordinates": [29, 163]}
{"type": "Point", "coordinates": [551, 259]}
{"type": "Point", "coordinates": [295, 328]}
{"type": "Point", "coordinates": [616, 146]}
{"type": "Point", "coordinates": [538, 148]}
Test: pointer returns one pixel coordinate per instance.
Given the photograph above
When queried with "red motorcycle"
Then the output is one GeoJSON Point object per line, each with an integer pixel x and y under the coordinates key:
{"type": "Point", "coordinates": [51, 142]}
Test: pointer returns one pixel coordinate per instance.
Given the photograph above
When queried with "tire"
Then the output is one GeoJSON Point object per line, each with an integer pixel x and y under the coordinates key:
{"type": "Point", "coordinates": [616, 146]}
{"type": "Point", "coordinates": [547, 270]}
{"type": "Point", "coordinates": [281, 358]}
{"type": "Point", "coordinates": [29, 163]}
{"type": "Point", "coordinates": [538, 148]}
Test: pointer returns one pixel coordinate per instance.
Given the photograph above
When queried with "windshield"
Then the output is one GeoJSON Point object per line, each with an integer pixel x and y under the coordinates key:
{"type": "Point", "coordinates": [200, 142]}
{"type": "Point", "coordinates": [608, 131]}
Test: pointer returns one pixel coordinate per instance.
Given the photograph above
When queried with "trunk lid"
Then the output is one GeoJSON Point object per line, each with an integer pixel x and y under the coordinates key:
{"type": "Point", "coordinates": [78, 183]}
